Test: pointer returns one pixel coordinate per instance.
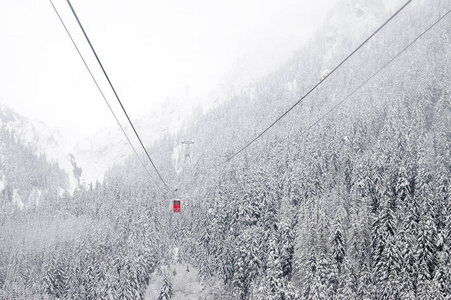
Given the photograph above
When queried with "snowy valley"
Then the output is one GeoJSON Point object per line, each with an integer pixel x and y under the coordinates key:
{"type": "Point", "coordinates": [347, 196]}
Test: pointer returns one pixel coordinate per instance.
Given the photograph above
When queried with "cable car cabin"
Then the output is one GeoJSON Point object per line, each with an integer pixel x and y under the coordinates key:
{"type": "Point", "coordinates": [176, 205]}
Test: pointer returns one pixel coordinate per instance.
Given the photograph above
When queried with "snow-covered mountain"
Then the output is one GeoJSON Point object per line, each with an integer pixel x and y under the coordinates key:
{"type": "Point", "coordinates": [89, 159]}
{"type": "Point", "coordinates": [97, 153]}
{"type": "Point", "coordinates": [32, 134]}
{"type": "Point", "coordinates": [32, 160]}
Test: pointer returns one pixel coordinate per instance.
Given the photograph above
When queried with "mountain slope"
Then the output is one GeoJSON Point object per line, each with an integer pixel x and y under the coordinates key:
{"type": "Point", "coordinates": [355, 207]}
{"type": "Point", "coordinates": [25, 171]}
{"type": "Point", "coordinates": [99, 152]}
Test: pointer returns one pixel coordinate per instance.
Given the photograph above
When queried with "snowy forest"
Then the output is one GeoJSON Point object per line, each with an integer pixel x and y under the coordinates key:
{"type": "Point", "coordinates": [347, 197]}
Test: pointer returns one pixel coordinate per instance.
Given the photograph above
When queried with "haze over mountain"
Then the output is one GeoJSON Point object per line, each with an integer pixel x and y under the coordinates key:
{"type": "Point", "coordinates": [97, 150]}
{"type": "Point", "coordinates": [345, 197]}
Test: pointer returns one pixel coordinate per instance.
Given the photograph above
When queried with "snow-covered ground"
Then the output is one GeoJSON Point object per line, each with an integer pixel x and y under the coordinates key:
{"type": "Point", "coordinates": [185, 284]}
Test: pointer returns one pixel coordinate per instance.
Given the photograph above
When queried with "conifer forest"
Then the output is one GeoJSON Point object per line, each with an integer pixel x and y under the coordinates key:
{"type": "Point", "coordinates": [348, 196]}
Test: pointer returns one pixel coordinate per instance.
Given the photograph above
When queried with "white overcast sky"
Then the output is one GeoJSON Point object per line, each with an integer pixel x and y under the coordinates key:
{"type": "Point", "coordinates": [150, 49]}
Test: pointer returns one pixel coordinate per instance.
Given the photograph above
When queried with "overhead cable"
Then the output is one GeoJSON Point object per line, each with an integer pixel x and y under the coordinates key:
{"type": "Point", "coordinates": [316, 85]}
{"type": "Point", "coordinates": [374, 74]}
{"type": "Point", "coordinates": [114, 91]}
{"type": "Point", "coordinates": [100, 90]}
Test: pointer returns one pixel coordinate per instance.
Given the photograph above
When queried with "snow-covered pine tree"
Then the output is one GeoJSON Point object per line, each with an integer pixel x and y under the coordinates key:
{"type": "Point", "coordinates": [387, 257]}
{"type": "Point", "coordinates": [166, 291]}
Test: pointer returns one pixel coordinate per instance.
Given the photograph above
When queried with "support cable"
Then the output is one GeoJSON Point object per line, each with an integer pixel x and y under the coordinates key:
{"type": "Point", "coordinates": [374, 74]}
{"type": "Point", "coordinates": [314, 87]}
{"type": "Point", "coordinates": [115, 93]}
{"type": "Point", "coordinates": [100, 90]}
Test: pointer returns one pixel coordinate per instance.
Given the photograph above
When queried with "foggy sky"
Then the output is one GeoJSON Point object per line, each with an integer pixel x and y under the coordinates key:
{"type": "Point", "coordinates": [151, 50]}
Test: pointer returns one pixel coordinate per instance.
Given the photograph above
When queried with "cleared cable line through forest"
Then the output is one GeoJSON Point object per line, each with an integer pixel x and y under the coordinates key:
{"type": "Point", "coordinates": [115, 93]}
{"type": "Point", "coordinates": [100, 90]}
{"type": "Point", "coordinates": [316, 85]}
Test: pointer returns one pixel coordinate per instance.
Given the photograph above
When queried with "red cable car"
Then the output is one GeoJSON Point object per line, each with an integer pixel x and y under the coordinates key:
{"type": "Point", "coordinates": [176, 205]}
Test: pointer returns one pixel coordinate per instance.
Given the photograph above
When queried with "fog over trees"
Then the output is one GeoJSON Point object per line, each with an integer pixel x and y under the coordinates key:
{"type": "Point", "coordinates": [356, 206]}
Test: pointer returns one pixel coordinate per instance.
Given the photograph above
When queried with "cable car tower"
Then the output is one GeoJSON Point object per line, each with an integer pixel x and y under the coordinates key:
{"type": "Point", "coordinates": [187, 143]}
{"type": "Point", "coordinates": [182, 196]}
{"type": "Point", "coordinates": [187, 172]}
